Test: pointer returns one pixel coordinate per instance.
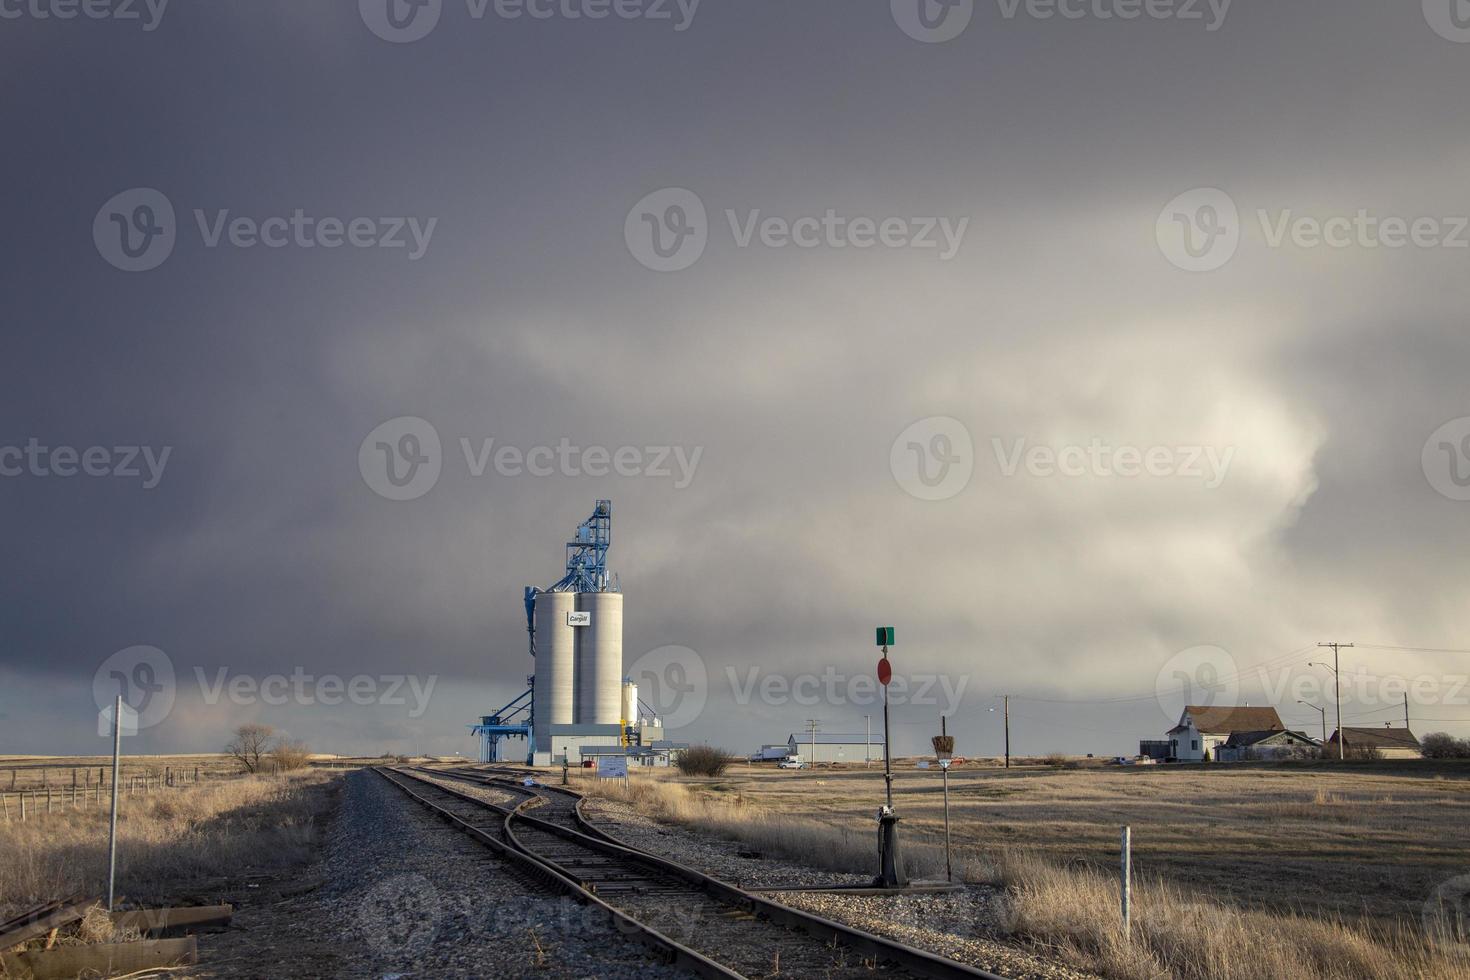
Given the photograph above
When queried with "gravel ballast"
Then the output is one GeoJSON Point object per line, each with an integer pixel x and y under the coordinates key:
{"type": "Point", "coordinates": [405, 895]}
{"type": "Point", "coordinates": [969, 926]}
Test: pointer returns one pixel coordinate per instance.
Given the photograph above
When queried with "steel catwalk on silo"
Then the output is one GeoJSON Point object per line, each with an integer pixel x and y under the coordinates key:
{"type": "Point", "coordinates": [555, 663]}
{"type": "Point", "coordinates": [600, 659]}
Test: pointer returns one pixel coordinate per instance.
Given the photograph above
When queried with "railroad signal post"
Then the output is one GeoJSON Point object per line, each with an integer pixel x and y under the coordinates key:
{"type": "Point", "coordinates": [890, 866]}
{"type": "Point", "coordinates": [944, 752]}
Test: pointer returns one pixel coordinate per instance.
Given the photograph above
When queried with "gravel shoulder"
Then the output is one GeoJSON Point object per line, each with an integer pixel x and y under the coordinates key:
{"type": "Point", "coordinates": [404, 895]}
{"type": "Point", "coordinates": [969, 926]}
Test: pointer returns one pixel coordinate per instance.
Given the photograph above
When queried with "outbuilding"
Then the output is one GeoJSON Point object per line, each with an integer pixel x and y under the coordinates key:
{"type": "Point", "coordinates": [836, 748]}
{"type": "Point", "coordinates": [1386, 743]}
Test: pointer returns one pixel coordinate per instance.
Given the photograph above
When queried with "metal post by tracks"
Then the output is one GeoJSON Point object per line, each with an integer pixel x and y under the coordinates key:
{"type": "Point", "coordinates": [1127, 871]}
{"type": "Point", "coordinates": [112, 830]}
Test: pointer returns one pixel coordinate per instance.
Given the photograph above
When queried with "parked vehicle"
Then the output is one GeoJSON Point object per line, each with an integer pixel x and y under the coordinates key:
{"type": "Point", "coordinates": [792, 763]}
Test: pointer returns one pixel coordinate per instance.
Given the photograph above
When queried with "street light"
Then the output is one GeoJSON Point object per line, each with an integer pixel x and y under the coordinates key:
{"type": "Point", "coordinates": [1336, 698]}
{"type": "Point", "coordinates": [1323, 713]}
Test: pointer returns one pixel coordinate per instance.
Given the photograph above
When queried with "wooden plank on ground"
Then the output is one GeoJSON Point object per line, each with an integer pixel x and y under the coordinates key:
{"type": "Point", "coordinates": [169, 920]}
{"type": "Point", "coordinates": [27, 929]}
{"type": "Point", "coordinates": [105, 959]}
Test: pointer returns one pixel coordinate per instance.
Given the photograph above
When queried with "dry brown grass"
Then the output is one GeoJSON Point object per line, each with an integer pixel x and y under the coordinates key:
{"type": "Point", "coordinates": [1063, 900]}
{"type": "Point", "coordinates": [1076, 912]}
{"type": "Point", "coordinates": [165, 838]}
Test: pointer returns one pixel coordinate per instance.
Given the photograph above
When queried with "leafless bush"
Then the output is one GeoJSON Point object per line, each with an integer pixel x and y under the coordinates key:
{"type": "Point", "coordinates": [1361, 752]}
{"type": "Point", "coordinates": [703, 760]}
{"type": "Point", "coordinates": [1054, 759]}
{"type": "Point", "coordinates": [289, 755]}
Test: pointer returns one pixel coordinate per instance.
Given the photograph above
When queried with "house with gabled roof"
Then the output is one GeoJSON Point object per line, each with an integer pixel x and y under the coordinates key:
{"type": "Point", "coordinates": [1268, 744]}
{"type": "Point", "coordinates": [1203, 729]}
{"type": "Point", "coordinates": [1386, 742]}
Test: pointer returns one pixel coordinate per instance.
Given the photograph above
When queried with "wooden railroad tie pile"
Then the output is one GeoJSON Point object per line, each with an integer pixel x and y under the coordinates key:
{"type": "Point", "coordinates": [23, 954]}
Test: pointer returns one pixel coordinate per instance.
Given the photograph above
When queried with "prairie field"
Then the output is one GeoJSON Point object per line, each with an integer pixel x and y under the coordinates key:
{"type": "Point", "coordinates": [1241, 871]}
{"type": "Point", "coordinates": [168, 839]}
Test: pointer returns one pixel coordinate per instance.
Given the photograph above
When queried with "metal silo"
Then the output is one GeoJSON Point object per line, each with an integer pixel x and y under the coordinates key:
{"type": "Point", "coordinates": [555, 663]}
{"type": "Point", "coordinates": [630, 703]}
{"type": "Point", "coordinates": [600, 659]}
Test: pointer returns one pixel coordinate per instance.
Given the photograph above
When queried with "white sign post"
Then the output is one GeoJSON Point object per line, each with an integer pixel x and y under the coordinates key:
{"type": "Point", "coordinates": [612, 767]}
{"type": "Point", "coordinates": [124, 722]}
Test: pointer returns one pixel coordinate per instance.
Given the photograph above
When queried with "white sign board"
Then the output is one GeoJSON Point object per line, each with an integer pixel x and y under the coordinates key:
{"type": "Point", "coordinates": [612, 767]}
{"type": "Point", "coordinates": [579, 619]}
{"type": "Point", "coordinates": [129, 721]}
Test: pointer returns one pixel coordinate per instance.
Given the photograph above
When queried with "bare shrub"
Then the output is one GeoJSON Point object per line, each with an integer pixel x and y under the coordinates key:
{"type": "Point", "coordinates": [703, 760]}
{"type": "Point", "coordinates": [290, 755]}
{"type": "Point", "coordinates": [1054, 759]}
{"type": "Point", "coordinates": [250, 745]}
{"type": "Point", "coordinates": [1361, 752]}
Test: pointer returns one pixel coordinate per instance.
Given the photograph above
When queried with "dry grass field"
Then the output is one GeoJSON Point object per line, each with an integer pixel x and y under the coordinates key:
{"type": "Point", "coordinates": [167, 839]}
{"type": "Point", "coordinates": [1250, 871]}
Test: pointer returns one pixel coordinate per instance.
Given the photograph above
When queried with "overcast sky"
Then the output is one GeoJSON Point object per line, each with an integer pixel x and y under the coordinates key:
{"type": "Point", "coordinates": [1115, 361]}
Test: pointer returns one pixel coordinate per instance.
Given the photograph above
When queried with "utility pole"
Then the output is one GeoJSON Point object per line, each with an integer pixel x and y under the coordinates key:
{"type": "Point", "coordinates": [1008, 728]}
{"type": "Point", "coordinates": [868, 739]}
{"type": "Point", "coordinates": [813, 725]}
{"type": "Point", "coordinates": [1406, 711]}
{"type": "Point", "coordinates": [1337, 692]}
{"type": "Point", "coordinates": [1323, 713]}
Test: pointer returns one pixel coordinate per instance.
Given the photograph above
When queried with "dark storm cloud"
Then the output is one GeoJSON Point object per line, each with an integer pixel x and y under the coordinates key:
{"type": "Point", "coordinates": [523, 144]}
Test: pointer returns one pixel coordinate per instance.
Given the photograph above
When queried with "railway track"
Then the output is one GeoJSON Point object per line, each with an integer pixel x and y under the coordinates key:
{"type": "Point", "coordinates": [694, 921]}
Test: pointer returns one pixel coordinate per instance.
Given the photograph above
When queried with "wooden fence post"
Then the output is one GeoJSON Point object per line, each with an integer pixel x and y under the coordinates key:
{"type": "Point", "coordinates": [1127, 870]}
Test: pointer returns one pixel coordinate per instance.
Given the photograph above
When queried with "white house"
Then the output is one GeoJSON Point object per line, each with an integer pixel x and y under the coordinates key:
{"type": "Point", "coordinates": [1203, 729]}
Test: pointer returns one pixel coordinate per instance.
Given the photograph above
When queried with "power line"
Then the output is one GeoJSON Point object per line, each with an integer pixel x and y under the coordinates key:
{"type": "Point", "coordinates": [1384, 646]}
